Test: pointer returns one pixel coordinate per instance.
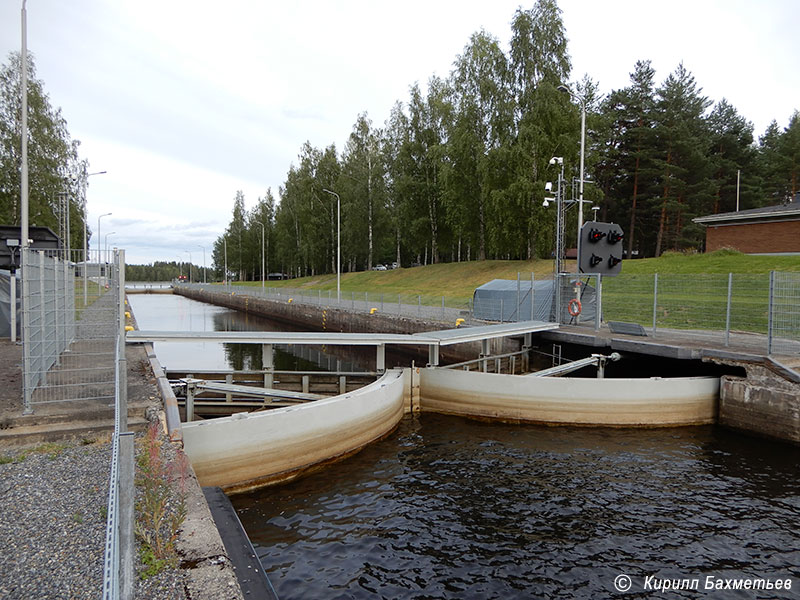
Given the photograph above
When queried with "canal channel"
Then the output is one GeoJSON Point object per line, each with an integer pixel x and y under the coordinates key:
{"type": "Point", "coordinates": [446, 507]}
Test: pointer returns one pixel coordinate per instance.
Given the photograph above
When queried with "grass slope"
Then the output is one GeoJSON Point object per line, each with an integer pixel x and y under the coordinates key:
{"type": "Point", "coordinates": [459, 280]}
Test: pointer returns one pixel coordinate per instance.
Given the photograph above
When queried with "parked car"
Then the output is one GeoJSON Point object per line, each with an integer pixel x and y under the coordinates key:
{"type": "Point", "coordinates": [395, 265]}
{"type": "Point", "coordinates": [379, 268]}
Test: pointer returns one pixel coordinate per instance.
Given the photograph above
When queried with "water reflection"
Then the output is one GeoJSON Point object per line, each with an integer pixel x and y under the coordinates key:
{"type": "Point", "coordinates": [448, 507]}
{"type": "Point", "coordinates": [176, 313]}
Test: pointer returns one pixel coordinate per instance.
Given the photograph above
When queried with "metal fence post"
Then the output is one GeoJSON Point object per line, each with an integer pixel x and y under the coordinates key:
{"type": "Point", "coordinates": [655, 301]}
{"type": "Point", "coordinates": [126, 519]}
{"type": "Point", "coordinates": [26, 332]}
{"type": "Point", "coordinates": [119, 257]}
{"type": "Point", "coordinates": [769, 310]}
{"type": "Point", "coordinates": [728, 312]}
{"type": "Point", "coordinates": [419, 305]}
{"type": "Point", "coordinates": [442, 308]}
{"type": "Point", "coordinates": [518, 276]}
{"type": "Point", "coordinates": [533, 314]}
{"type": "Point", "coordinates": [598, 317]}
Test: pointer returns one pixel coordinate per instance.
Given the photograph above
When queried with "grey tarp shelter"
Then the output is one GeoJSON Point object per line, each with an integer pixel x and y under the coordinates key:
{"type": "Point", "coordinates": [5, 305]}
{"type": "Point", "coordinates": [497, 300]}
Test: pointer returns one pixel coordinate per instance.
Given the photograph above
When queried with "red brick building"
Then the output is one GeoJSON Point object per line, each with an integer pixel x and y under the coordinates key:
{"type": "Point", "coordinates": [768, 230]}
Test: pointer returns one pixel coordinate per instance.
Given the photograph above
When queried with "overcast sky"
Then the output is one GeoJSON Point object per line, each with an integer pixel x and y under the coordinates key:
{"type": "Point", "coordinates": [186, 102]}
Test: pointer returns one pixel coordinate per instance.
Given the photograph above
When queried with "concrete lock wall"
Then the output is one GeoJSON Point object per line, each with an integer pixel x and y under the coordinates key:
{"type": "Point", "coordinates": [762, 404]}
{"type": "Point", "coordinates": [330, 318]}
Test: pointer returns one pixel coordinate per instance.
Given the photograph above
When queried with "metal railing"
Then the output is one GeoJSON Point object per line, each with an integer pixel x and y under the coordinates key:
{"type": "Point", "coordinates": [431, 308]}
{"type": "Point", "coordinates": [758, 312]}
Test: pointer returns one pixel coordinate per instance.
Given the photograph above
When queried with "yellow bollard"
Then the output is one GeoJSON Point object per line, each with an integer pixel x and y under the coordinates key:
{"type": "Point", "coordinates": [372, 311]}
{"type": "Point", "coordinates": [290, 301]}
{"type": "Point", "coordinates": [128, 327]}
{"type": "Point", "coordinates": [459, 322]}
{"type": "Point", "coordinates": [127, 314]}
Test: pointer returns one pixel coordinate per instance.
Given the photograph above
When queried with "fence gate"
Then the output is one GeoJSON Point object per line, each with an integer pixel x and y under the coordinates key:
{"type": "Point", "coordinates": [70, 322]}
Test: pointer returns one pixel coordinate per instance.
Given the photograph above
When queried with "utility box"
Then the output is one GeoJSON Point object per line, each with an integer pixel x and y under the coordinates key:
{"type": "Point", "coordinates": [600, 248]}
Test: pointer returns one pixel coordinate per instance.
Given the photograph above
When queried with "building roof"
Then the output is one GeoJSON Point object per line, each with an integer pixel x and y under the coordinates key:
{"type": "Point", "coordinates": [780, 212]}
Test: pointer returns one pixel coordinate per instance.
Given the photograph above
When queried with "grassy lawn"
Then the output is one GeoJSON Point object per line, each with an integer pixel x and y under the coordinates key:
{"type": "Point", "coordinates": [459, 280]}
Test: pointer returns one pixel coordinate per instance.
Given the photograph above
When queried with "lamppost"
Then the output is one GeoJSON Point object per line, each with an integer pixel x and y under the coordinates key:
{"type": "Point", "coordinates": [559, 199]}
{"type": "Point", "coordinates": [190, 264]}
{"type": "Point", "coordinates": [566, 90]}
{"type": "Point", "coordinates": [105, 245]}
{"type": "Point", "coordinates": [84, 183]}
{"type": "Point", "coordinates": [99, 251]}
{"type": "Point", "coordinates": [204, 261]}
{"type": "Point", "coordinates": [262, 256]}
{"type": "Point", "coordinates": [338, 245]}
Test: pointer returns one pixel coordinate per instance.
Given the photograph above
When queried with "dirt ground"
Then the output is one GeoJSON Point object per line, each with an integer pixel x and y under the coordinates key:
{"type": "Point", "coordinates": [10, 377]}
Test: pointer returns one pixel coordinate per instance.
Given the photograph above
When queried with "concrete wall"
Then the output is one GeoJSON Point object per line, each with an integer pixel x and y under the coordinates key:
{"type": "Point", "coordinates": [342, 320]}
{"type": "Point", "coordinates": [762, 403]}
{"type": "Point", "coordinates": [783, 236]}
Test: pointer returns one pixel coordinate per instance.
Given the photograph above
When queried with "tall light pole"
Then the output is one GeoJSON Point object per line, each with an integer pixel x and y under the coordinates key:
{"type": "Point", "coordinates": [262, 256]}
{"type": "Point", "coordinates": [105, 245]}
{"type": "Point", "coordinates": [566, 90]}
{"type": "Point", "coordinates": [338, 245]}
{"type": "Point", "coordinates": [99, 251]}
{"type": "Point", "coordinates": [190, 264]}
{"type": "Point", "coordinates": [24, 134]}
{"type": "Point", "coordinates": [204, 261]}
{"type": "Point", "coordinates": [557, 160]}
{"type": "Point", "coordinates": [85, 182]}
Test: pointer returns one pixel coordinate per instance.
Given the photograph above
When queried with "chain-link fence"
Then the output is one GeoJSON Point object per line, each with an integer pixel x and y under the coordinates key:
{"type": "Point", "coordinates": [70, 320]}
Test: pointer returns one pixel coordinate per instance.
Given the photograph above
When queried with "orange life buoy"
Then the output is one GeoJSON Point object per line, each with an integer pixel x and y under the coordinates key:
{"type": "Point", "coordinates": [574, 307]}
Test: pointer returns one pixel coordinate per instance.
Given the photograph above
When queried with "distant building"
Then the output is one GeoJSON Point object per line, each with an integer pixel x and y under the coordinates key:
{"type": "Point", "coordinates": [768, 230]}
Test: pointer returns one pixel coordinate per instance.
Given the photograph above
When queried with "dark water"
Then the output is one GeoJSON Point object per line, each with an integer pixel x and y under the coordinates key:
{"type": "Point", "coordinates": [166, 312]}
{"type": "Point", "coordinates": [451, 508]}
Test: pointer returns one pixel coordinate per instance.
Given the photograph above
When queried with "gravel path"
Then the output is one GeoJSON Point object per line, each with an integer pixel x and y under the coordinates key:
{"type": "Point", "coordinates": [56, 550]}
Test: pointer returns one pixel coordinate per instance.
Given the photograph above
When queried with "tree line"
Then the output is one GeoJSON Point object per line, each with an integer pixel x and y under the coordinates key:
{"type": "Point", "coordinates": [458, 170]}
{"type": "Point", "coordinates": [56, 175]}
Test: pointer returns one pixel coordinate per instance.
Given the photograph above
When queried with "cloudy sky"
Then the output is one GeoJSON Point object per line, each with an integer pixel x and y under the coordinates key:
{"type": "Point", "coordinates": [185, 102]}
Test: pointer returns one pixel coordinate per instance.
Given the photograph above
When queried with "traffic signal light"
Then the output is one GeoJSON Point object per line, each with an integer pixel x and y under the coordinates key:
{"type": "Point", "coordinates": [600, 248]}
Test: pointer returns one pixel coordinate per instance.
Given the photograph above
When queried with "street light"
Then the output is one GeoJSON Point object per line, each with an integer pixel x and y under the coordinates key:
{"type": "Point", "coordinates": [85, 182]}
{"type": "Point", "coordinates": [338, 244]}
{"type": "Point", "coordinates": [99, 251]}
{"type": "Point", "coordinates": [105, 245]}
{"type": "Point", "coordinates": [190, 264]}
{"type": "Point", "coordinates": [204, 261]}
{"type": "Point", "coordinates": [566, 90]}
{"type": "Point", "coordinates": [559, 199]}
{"type": "Point", "coordinates": [262, 255]}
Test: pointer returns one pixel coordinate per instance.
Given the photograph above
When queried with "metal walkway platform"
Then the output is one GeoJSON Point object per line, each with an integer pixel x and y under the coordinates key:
{"type": "Point", "coordinates": [432, 339]}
